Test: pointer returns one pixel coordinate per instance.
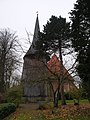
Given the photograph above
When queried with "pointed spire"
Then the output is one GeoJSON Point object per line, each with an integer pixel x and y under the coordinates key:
{"type": "Point", "coordinates": [36, 30]}
{"type": "Point", "coordinates": [35, 38]}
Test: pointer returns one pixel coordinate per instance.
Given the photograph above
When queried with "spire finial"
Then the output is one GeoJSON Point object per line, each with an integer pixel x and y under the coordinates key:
{"type": "Point", "coordinates": [37, 13]}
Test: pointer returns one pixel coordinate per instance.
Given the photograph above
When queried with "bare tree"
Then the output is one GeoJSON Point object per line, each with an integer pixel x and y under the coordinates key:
{"type": "Point", "coordinates": [53, 76]}
{"type": "Point", "coordinates": [9, 59]}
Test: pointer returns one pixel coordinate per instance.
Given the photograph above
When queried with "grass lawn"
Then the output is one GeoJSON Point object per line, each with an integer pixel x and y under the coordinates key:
{"type": "Point", "coordinates": [68, 112]}
{"type": "Point", "coordinates": [85, 101]}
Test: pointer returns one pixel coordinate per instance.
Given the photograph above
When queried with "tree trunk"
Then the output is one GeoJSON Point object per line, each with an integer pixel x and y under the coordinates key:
{"type": "Point", "coordinates": [55, 99]}
{"type": "Point", "coordinates": [2, 82]}
{"type": "Point", "coordinates": [63, 102]}
{"type": "Point", "coordinates": [88, 96]}
{"type": "Point", "coordinates": [55, 95]}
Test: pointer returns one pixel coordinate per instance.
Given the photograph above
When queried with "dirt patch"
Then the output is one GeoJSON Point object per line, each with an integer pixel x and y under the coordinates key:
{"type": "Point", "coordinates": [30, 106]}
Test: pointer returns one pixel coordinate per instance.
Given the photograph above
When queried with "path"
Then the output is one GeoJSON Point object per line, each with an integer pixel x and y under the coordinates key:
{"type": "Point", "coordinates": [30, 106]}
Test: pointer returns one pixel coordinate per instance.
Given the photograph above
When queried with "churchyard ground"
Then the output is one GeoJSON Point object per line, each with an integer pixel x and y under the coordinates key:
{"type": "Point", "coordinates": [47, 112]}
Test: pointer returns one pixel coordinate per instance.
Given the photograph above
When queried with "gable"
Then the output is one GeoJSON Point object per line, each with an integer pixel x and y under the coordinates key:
{"type": "Point", "coordinates": [55, 66]}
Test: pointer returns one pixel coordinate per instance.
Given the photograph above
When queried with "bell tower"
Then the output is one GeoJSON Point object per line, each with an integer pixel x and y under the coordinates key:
{"type": "Point", "coordinates": [34, 72]}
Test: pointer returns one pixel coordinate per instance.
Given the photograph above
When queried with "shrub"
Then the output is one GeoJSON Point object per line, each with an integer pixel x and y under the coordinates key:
{"type": "Point", "coordinates": [75, 93]}
{"type": "Point", "coordinates": [6, 109]}
{"type": "Point", "coordinates": [1, 98]}
{"type": "Point", "coordinates": [68, 96]}
{"type": "Point", "coordinates": [14, 95]}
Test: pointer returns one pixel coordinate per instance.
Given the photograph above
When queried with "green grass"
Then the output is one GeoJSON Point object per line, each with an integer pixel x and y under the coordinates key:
{"type": "Point", "coordinates": [85, 101]}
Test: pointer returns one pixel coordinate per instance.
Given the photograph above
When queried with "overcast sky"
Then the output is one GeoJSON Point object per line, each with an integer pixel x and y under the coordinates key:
{"type": "Point", "coordinates": [19, 15]}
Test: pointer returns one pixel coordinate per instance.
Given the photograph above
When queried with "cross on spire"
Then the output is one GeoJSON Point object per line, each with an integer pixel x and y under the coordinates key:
{"type": "Point", "coordinates": [37, 13]}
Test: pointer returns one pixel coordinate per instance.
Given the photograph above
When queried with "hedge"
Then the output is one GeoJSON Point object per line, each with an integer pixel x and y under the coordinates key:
{"type": "Point", "coordinates": [6, 109]}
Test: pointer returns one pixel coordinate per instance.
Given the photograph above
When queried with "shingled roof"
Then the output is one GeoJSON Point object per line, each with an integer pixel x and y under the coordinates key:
{"type": "Point", "coordinates": [35, 38]}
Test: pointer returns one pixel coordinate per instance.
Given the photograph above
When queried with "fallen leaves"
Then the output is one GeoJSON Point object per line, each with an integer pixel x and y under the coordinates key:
{"type": "Point", "coordinates": [67, 112]}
